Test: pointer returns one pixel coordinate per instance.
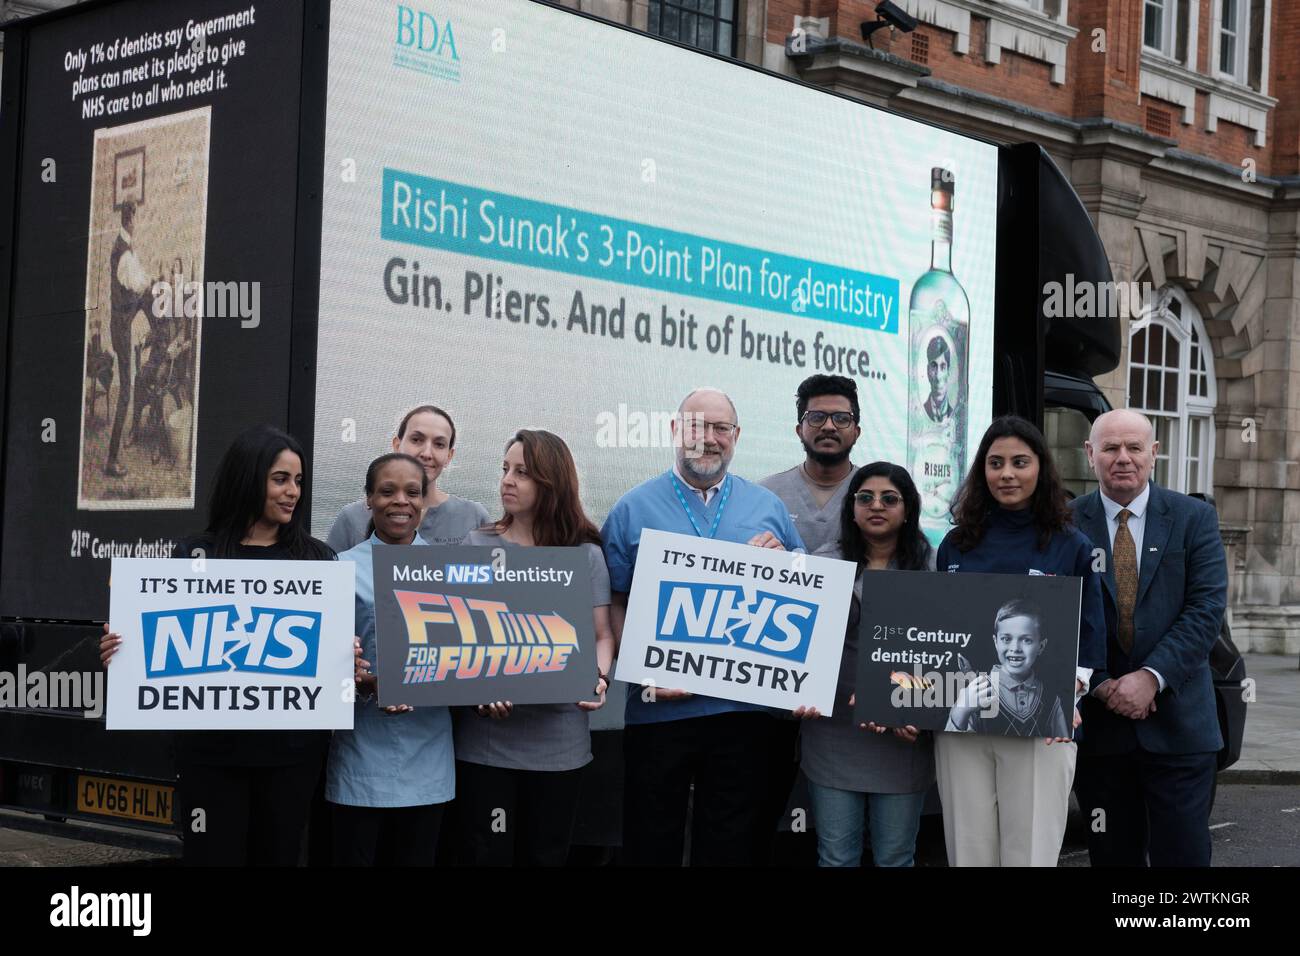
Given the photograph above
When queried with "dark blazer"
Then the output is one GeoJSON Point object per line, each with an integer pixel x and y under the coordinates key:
{"type": "Point", "coordinates": [1181, 596]}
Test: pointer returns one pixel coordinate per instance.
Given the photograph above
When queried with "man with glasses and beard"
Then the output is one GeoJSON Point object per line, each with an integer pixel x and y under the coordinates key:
{"type": "Point", "coordinates": [673, 738]}
{"type": "Point", "coordinates": [813, 490]}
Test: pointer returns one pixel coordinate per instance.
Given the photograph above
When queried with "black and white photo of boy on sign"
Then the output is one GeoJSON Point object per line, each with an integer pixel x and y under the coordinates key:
{"type": "Point", "coordinates": [1011, 700]}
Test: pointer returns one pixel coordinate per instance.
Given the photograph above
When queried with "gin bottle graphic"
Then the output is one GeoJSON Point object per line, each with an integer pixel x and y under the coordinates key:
{"type": "Point", "coordinates": [938, 374]}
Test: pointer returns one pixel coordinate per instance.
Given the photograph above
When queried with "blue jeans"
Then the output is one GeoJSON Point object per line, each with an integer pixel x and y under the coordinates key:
{"type": "Point", "coordinates": [840, 817]}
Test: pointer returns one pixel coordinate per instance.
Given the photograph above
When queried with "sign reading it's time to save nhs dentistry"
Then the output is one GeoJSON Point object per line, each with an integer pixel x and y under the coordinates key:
{"type": "Point", "coordinates": [231, 645]}
{"type": "Point", "coordinates": [733, 621]}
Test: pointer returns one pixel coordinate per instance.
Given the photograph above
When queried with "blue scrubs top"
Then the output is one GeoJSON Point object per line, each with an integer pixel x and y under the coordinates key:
{"type": "Point", "coordinates": [751, 509]}
{"type": "Point", "coordinates": [388, 760]}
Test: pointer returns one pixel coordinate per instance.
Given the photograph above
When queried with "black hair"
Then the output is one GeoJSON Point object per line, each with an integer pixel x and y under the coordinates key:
{"type": "Point", "coordinates": [938, 346]}
{"type": "Point", "coordinates": [913, 551]}
{"type": "Point", "coordinates": [974, 503]}
{"type": "Point", "coordinates": [239, 495]}
{"type": "Point", "coordinates": [815, 386]}
{"type": "Point", "coordinates": [372, 473]}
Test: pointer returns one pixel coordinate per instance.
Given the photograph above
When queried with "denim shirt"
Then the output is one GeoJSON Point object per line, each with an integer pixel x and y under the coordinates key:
{"type": "Point", "coordinates": [388, 760]}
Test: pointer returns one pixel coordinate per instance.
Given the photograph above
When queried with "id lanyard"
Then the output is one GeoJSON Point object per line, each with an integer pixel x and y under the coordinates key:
{"type": "Point", "coordinates": [717, 518]}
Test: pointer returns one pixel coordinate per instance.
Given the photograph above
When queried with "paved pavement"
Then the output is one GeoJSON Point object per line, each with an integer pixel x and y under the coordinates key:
{"type": "Point", "coordinates": [22, 846]}
{"type": "Point", "coordinates": [1270, 749]}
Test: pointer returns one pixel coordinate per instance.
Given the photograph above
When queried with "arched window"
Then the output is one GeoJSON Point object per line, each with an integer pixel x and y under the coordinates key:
{"type": "Point", "coordinates": [1171, 380]}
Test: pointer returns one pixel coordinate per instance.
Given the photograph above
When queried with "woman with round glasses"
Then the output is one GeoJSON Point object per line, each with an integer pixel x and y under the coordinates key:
{"type": "Point", "coordinates": [876, 778]}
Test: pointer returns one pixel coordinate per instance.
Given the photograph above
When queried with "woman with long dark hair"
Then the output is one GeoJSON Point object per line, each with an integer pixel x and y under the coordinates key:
{"type": "Point", "coordinates": [1005, 797]}
{"type": "Point", "coordinates": [391, 775]}
{"type": "Point", "coordinates": [877, 778]}
{"type": "Point", "coordinates": [245, 795]}
{"type": "Point", "coordinates": [526, 760]}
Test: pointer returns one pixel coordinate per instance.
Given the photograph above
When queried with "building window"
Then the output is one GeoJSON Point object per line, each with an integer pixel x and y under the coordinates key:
{"type": "Point", "coordinates": [1229, 36]}
{"type": "Point", "coordinates": [1155, 21]}
{"type": "Point", "coordinates": [707, 24]}
{"type": "Point", "coordinates": [1171, 381]}
{"type": "Point", "coordinates": [1239, 40]}
{"type": "Point", "coordinates": [1166, 27]}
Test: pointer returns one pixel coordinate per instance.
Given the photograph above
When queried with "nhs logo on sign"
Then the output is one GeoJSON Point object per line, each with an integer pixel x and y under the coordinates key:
{"type": "Point", "coordinates": [425, 44]}
{"type": "Point", "coordinates": [468, 573]}
{"type": "Point", "coordinates": [774, 624]}
{"type": "Point", "coordinates": [202, 640]}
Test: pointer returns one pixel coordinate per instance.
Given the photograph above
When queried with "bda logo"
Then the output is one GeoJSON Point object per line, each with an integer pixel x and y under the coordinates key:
{"type": "Point", "coordinates": [760, 621]}
{"type": "Point", "coordinates": [201, 640]}
{"type": "Point", "coordinates": [425, 45]}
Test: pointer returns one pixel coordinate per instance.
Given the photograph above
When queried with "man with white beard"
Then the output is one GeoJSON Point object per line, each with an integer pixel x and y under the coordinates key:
{"type": "Point", "coordinates": [673, 737]}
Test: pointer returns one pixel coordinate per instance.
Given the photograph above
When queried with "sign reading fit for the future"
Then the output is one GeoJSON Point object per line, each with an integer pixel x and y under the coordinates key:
{"type": "Point", "coordinates": [471, 625]}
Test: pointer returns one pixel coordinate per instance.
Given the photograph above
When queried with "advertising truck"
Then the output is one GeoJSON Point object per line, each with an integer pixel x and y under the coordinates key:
{"type": "Point", "coordinates": [218, 213]}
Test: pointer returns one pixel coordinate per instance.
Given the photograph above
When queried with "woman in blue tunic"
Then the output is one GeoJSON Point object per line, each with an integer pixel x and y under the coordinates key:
{"type": "Point", "coordinates": [391, 775]}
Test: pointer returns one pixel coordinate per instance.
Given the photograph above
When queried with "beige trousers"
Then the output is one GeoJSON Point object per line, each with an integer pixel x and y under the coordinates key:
{"type": "Point", "coordinates": [1005, 799]}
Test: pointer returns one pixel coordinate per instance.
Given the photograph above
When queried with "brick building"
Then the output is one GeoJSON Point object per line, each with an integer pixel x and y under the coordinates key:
{"type": "Point", "coordinates": [1178, 122]}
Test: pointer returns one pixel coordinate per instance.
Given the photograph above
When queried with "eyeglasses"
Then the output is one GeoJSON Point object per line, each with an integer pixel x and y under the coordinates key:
{"type": "Point", "coordinates": [890, 499]}
{"type": "Point", "coordinates": [694, 426]}
{"type": "Point", "coordinates": [818, 419]}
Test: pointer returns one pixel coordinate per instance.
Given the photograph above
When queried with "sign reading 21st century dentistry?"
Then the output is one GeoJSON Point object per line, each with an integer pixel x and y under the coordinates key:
{"type": "Point", "coordinates": [975, 653]}
{"type": "Point", "coordinates": [732, 621]}
{"type": "Point", "coordinates": [471, 625]}
{"type": "Point", "coordinates": [231, 645]}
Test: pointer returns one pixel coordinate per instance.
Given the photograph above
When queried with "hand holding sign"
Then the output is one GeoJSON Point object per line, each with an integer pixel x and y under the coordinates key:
{"type": "Point", "coordinates": [1065, 740]}
{"type": "Point", "coordinates": [766, 540]}
{"type": "Point", "coordinates": [365, 680]}
{"type": "Point", "coordinates": [108, 645]}
{"type": "Point", "coordinates": [979, 694]}
{"type": "Point", "coordinates": [497, 710]}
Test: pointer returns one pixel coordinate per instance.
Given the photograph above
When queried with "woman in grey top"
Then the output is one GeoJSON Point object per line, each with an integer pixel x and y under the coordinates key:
{"type": "Point", "coordinates": [517, 768]}
{"type": "Point", "coordinates": [428, 435]}
{"type": "Point", "coordinates": [876, 774]}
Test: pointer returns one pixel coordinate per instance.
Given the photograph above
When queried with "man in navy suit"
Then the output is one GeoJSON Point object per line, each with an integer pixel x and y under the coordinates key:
{"type": "Point", "coordinates": [1150, 733]}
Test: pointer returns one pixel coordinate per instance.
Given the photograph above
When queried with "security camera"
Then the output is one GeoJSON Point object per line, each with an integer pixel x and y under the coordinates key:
{"type": "Point", "coordinates": [888, 15]}
{"type": "Point", "coordinates": [896, 16]}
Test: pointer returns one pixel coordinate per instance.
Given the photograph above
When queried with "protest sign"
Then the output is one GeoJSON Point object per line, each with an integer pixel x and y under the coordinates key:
{"type": "Point", "coordinates": [732, 621]}
{"type": "Point", "coordinates": [982, 653]}
{"type": "Point", "coordinates": [471, 625]}
{"type": "Point", "coordinates": [231, 645]}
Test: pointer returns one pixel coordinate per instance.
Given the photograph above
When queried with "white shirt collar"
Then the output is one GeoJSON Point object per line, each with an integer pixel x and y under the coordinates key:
{"type": "Point", "coordinates": [706, 493]}
{"type": "Point", "coordinates": [1137, 507]}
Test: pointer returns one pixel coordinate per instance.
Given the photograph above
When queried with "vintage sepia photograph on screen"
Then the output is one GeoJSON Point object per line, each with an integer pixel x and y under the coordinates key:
{"type": "Point", "coordinates": [144, 312]}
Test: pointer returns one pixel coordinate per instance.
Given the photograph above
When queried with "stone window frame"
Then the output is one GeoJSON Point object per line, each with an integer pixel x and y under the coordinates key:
{"type": "Point", "coordinates": [1038, 29]}
{"type": "Point", "coordinates": [1174, 315]}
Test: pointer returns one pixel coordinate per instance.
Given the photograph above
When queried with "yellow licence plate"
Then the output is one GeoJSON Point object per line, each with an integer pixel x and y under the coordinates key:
{"type": "Point", "coordinates": [125, 799]}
